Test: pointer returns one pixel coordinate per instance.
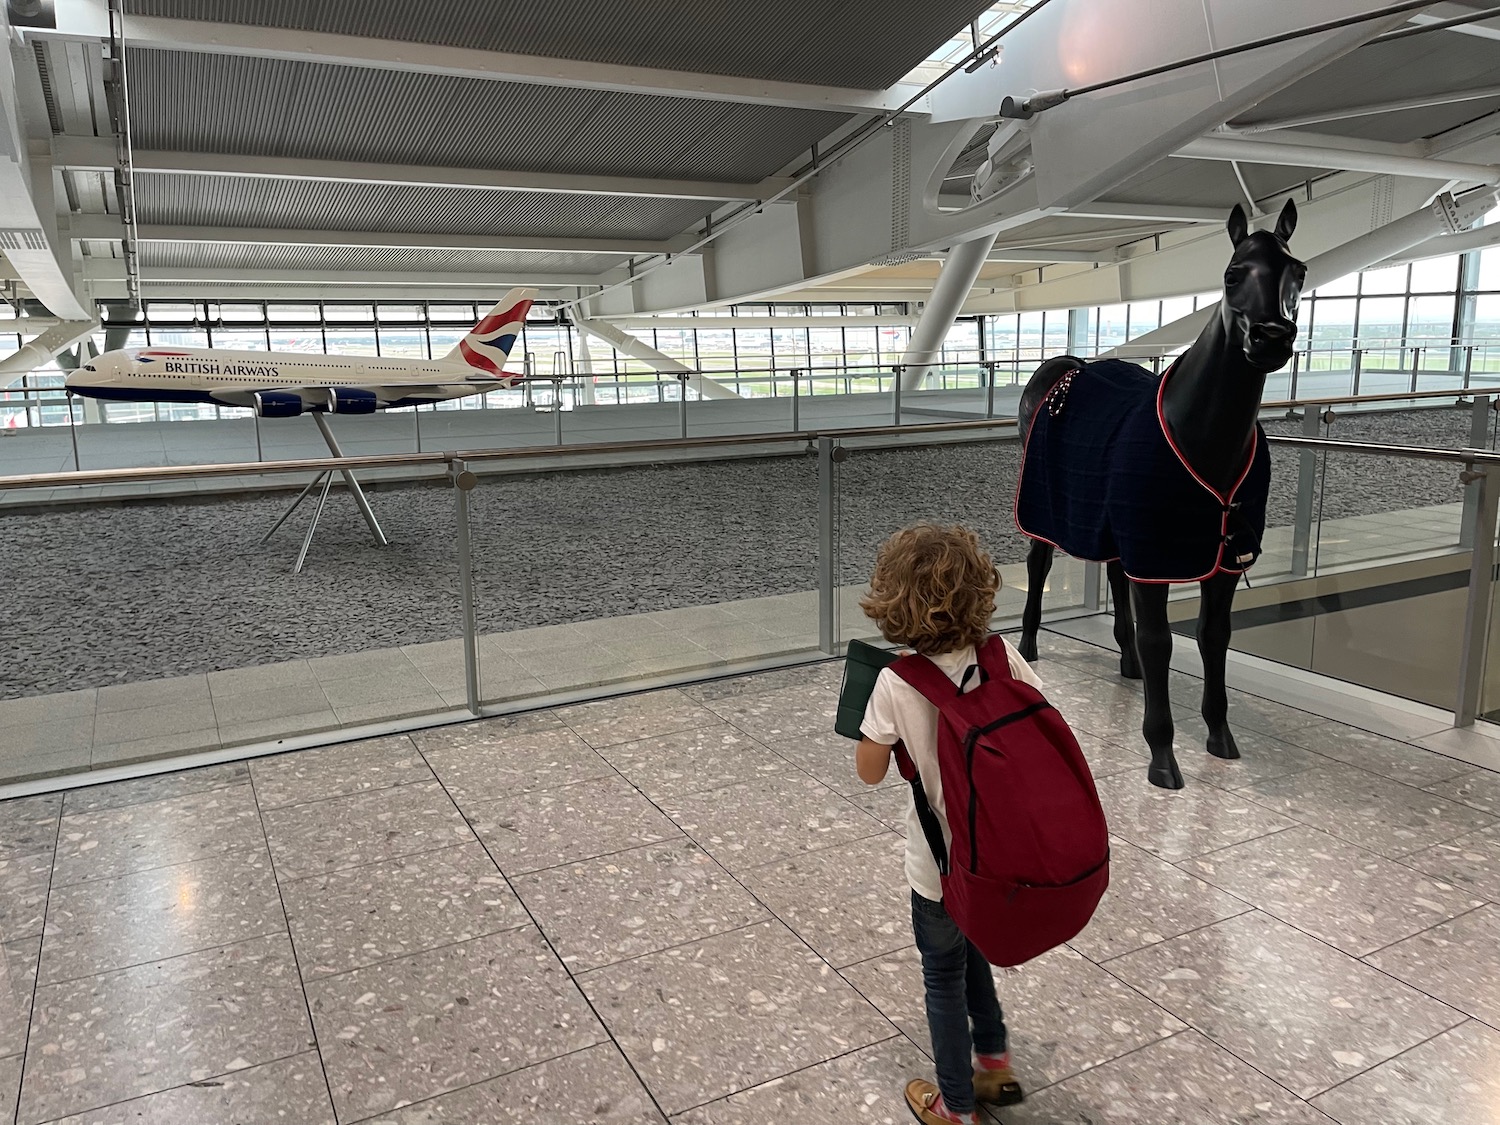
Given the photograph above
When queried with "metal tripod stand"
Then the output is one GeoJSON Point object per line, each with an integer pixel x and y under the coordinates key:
{"type": "Point", "coordinates": [325, 478]}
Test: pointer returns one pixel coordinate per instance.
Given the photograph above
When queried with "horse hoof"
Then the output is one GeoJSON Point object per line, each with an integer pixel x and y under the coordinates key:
{"type": "Point", "coordinates": [1130, 668]}
{"type": "Point", "coordinates": [1165, 777]}
{"type": "Point", "coordinates": [1027, 649]}
{"type": "Point", "coordinates": [1223, 746]}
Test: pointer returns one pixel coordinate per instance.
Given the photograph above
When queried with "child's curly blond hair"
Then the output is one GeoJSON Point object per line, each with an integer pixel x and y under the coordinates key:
{"type": "Point", "coordinates": [933, 589]}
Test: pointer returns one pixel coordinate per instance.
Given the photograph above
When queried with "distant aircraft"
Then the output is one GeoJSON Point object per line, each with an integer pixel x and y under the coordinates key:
{"type": "Point", "coordinates": [286, 384]}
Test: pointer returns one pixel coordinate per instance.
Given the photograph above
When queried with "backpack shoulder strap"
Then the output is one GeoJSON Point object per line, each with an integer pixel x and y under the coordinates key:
{"type": "Point", "coordinates": [926, 677]}
{"type": "Point", "coordinates": [994, 659]}
{"type": "Point", "coordinates": [931, 829]}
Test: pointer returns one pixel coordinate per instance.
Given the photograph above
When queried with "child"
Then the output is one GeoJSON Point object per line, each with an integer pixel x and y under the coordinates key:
{"type": "Point", "coordinates": [934, 590]}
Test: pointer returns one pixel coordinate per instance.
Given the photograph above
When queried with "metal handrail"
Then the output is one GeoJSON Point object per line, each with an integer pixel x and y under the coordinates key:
{"type": "Point", "coordinates": [1411, 452]}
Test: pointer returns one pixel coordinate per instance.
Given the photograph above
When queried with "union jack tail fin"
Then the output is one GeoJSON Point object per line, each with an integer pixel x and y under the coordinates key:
{"type": "Point", "coordinates": [483, 352]}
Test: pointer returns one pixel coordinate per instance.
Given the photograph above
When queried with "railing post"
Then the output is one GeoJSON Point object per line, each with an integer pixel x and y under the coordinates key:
{"type": "Point", "coordinates": [1471, 669]}
{"type": "Point", "coordinates": [463, 482]}
{"type": "Point", "coordinates": [1296, 363]}
{"type": "Point", "coordinates": [897, 372]}
{"type": "Point", "coordinates": [1468, 364]}
{"type": "Point", "coordinates": [796, 401]}
{"type": "Point", "coordinates": [1479, 432]}
{"type": "Point", "coordinates": [1307, 482]}
{"type": "Point", "coordinates": [1416, 366]}
{"type": "Point", "coordinates": [682, 388]}
{"type": "Point", "coordinates": [830, 456]}
{"type": "Point", "coordinates": [989, 389]}
{"type": "Point", "coordinates": [557, 411]}
{"type": "Point", "coordinates": [1358, 363]}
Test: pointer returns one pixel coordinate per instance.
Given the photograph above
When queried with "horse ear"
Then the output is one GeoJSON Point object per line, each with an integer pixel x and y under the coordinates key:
{"type": "Point", "coordinates": [1287, 222]}
{"type": "Point", "coordinates": [1238, 225]}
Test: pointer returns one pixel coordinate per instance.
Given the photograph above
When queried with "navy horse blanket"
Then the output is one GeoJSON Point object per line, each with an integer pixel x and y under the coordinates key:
{"type": "Point", "coordinates": [1102, 480]}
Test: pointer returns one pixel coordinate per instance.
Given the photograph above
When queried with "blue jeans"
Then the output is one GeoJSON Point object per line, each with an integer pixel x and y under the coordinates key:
{"type": "Point", "coordinates": [960, 994]}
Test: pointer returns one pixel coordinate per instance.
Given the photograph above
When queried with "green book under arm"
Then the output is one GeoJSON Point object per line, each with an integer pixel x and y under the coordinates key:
{"type": "Point", "coordinates": [862, 665]}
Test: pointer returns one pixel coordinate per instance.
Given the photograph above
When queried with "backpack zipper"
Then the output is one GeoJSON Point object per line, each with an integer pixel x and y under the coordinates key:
{"type": "Point", "coordinates": [970, 742]}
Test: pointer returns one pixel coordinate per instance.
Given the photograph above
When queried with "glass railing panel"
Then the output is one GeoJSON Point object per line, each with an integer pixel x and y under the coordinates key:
{"type": "Point", "coordinates": [607, 574]}
{"type": "Point", "coordinates": [164, 626]}
{"type": "Point", "coordinates": [973, 483]}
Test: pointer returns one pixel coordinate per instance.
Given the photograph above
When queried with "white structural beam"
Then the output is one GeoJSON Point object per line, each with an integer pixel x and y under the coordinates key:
{"type": "Point", "coordinates": [960, 271]}
{"type": "Point", "coordinates": [113, 269]}
{"type": "Point", "coordinates": [107, 227]}
{"type": "Point", "coordinates": [1442, 217]}
{"type": "Point", "coordinates": [626, 344]}
{"type": "Point", "coordinates": [40, 349]}
{"type": "Point", "coordinates": [1483, 29]}
{"type": "Point", "coordinates": [1366, 109]}
{"type": "Point", "coordinates": [89, 19]}
{"type": "Point", "coordinates": [97, 154]}
{"type": "Point", "coordinates": [1148, 212]}
{"type": "Point", "coordinates": [1369, 158]}
{"type": "Point", "coordinates": [719, 323]}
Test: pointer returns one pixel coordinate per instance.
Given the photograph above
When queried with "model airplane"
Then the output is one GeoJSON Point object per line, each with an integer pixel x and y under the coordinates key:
{"type": "Point", "coordinates": [286, 384]}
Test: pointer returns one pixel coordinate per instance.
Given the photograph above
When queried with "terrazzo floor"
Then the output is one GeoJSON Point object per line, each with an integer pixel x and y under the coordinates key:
{"type": "Point", "coordinates": [684, 905]}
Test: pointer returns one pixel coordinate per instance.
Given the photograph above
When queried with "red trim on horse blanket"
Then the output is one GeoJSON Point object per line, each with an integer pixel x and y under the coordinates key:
{"type": "Point", "coordinates": [1102, 480]}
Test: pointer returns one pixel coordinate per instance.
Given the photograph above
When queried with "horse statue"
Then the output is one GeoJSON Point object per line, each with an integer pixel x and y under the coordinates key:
{"type": "Point", "coordinates": [1164, 478]}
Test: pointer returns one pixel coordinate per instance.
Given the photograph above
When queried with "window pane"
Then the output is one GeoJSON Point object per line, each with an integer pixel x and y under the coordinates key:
{"type": "Point", "coordinates": [294, 312]}
{"type": "Point", "coordinates": [1176, 309]}
{"type": "Point", "coordinates": [166, 310]}
{"type": "Point", "coordinates": [235, 312]}
{"type": "Point", "coordinates": [1381, 319]}
{"type": "Point", "coordinates": [1333, 323]}
{"type": "Point", "coordinates": [1055, 333]}
{"type": "Point", "coordinates": [232, 339]}
{"type": "Point", "coordinates": [1392, 279]}
{"type": "Point", "coordinates": [1145, 316]}
{"type": "Point", "coordinates": [187, 338]}
{"type": "Point", "coordinates": [455, 314]}
{"type": "Point", "coordinates": [400, 312]}
{"type": "Point", "coordinates": [410, 343]}
{"type": "Point", "coordinates": [1343, 287]}
{"type": "Point", "coordinates": [351, 341]}
{"type": "Point", "coordinates": [1111, 326]}
{"type": "Point", "coordinates": [1489, 268]}
{"type": "Point", "coordinates": [1430, 319]}
{"type": "Point", "coordinates": [297, 340]}
{"type": "Point", "coordinates": [1435, 275]}
{"type": "Point", "coordinates": [348, 312]}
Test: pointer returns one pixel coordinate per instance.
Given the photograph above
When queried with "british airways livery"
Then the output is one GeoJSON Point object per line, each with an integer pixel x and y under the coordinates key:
{"type": "Point", "coordinates": [286, 384]}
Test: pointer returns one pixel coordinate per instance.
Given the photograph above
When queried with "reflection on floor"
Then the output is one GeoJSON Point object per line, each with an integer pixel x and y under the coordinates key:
{"type": "Point", "coordinates": [685, 904]}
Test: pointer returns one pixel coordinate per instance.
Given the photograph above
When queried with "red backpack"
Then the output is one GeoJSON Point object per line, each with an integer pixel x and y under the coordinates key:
{"type": "Point", "coordinates": [1030, 855]}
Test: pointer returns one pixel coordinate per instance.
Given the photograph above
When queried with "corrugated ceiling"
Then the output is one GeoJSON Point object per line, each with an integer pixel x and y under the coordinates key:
{"type": "Point", "coordinates": [244, 201]}
{"type": "Point", "coordinates": [867, 44]}
{"type": "Point", "coordinates": [198, 255]}
{"type": "Point", "coordinates": [274, 107]}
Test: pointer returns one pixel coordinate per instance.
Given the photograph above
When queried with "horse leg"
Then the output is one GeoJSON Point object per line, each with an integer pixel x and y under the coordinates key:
{"type": "Point", "coordinates": [1038, 565]}
{"type": "Point", "coordinates": [1119, 588]}
{"type": "Point", "coordinates": [1153, 641]}
{"type": "Point", "coordinates": [1217, 599]}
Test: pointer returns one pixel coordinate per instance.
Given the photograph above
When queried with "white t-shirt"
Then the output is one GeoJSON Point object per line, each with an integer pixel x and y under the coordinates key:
{"type": "Point", "coordinates": [897, 711]}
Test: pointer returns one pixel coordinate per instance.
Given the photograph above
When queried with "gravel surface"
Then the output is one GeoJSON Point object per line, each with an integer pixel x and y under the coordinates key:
{"type": "Point", "coordinates": [106, 595]}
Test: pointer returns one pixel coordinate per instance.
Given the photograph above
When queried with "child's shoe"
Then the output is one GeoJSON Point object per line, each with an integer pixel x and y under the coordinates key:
{"type": "Point", "coordinates": [926, 1104]}
{"type": "Point", "coordinates": [995, 1082]}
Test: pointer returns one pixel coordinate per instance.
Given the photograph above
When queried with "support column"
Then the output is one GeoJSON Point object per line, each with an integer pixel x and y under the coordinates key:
{"type": "Point", "coordinates": [623, 341]}
{"type": "Point", "coordinates": [584, 368]}
{"type": "Point", "coordinates": [960, 271]}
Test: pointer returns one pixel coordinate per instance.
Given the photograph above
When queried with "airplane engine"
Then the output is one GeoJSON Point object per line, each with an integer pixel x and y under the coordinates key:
{"type": "Point", "coordinates": [278, 404]}
{"type": "Point", "coordinates": [351, 400]}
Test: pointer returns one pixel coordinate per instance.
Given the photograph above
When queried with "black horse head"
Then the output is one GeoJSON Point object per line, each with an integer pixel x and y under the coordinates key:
{"type": "Point", "coordinates": [1262, 286]}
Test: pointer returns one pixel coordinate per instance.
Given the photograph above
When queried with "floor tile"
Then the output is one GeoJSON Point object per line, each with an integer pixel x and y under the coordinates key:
{"type": "Point", "coordinates": [51, 736]}
{"type": "Point", "coordinates": [569, 824]}
{"type": "Point", "coordinates": [363, 915]}
{"type": "Point", "coordinates": [1107, 759]}
{"type": "Point", "coordinates": [1262, 757]}
{"type": "Point", "coordinates": [635, 902]}
{"type": "Point", "coordinates": [849, 902]}
{"type": "Point", "coordinates": [150, 748]}
{"type": "Point", "coordinates": [1399, 761]}
{"type": "Point", "coordinates": [437, 1021]}
{"type": "Point", "coordinates": [1372, 812]}
{"type": "Point", "coordinates": [18, 961]}
{"type": "Point", "coordinates": [484, 732]}
{"type": "Point", "coordinates": [107, 924]}
{"type": "Point", "coordinates": [1303, 1014]}
{"type": "Point", "coordinates": [777, 715]}
{"type": "Point", "coordinates": [1449, 1080]}
{"type": "Point", "coordinates": [173, 693]}
{"type": "Point", "coordinates": [758, 822]}
{"type": "Point", "coordinates": [272, 703]}
{"type": "Point", "coordinates": [10, 1086]}
{"type": "Point", "coordinates": [1479, 789]}
{"type": "Point", "coordinates": [122, 1035]}
{"type": "Point", "coordinates": [1149, 901]}
{"type": "Point", "coordinates": [519, 763]}
{"type": "Point", "coordinates": [893, 983]}
{"type": "Point", "coordinates": [1251, 712]}
{"type": "Point", "coordinates": [24, 880]}
{"type": "Point", "coordinates": [1176, 825]}
{"type": "Point", "coordinates": [365, 828]}
{"type": "Point", "coordinates": [728, 1012]}
{"type": "Point", "coordinates": [337, 771]}
{"type": "Point", "coordinates": [589, 1087]}
{"type": "Point", "coordinates": [1352, 899]}
{"type": "Point", "coordinates": [1471, 863]}
{"type": "Point", "coordinates": [275, 730]}
{"type": "Point", "coordinates": [888, 804]}
{"type": "Point", "coordinates": [632, 717]}
{"type": "Point", "coordinates": [115, 727]}
{"type": "Point", "coordinates": [114, 842]}
{"type": "Point", "coordinates": [146, 789]}
{"type": "Point", "coordinates": [55, 705]}
{"type": "Point", "coordinates": [1184, 1080]}
{"type": "Point", "coordinates": [1457, 962]}
{"type": "Point", "coordinates": [28, 825]}
{"type": "Point", "coordinates": [828, 757]}
{"type": "Point", "coordinates": [274, 1093]}
{"type": "Point", "coordinates": [707, 757]}
{"type": "Point", "coordinates": [864, 1087]}
{"type": "Point", "coordinates": [260, 677]}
